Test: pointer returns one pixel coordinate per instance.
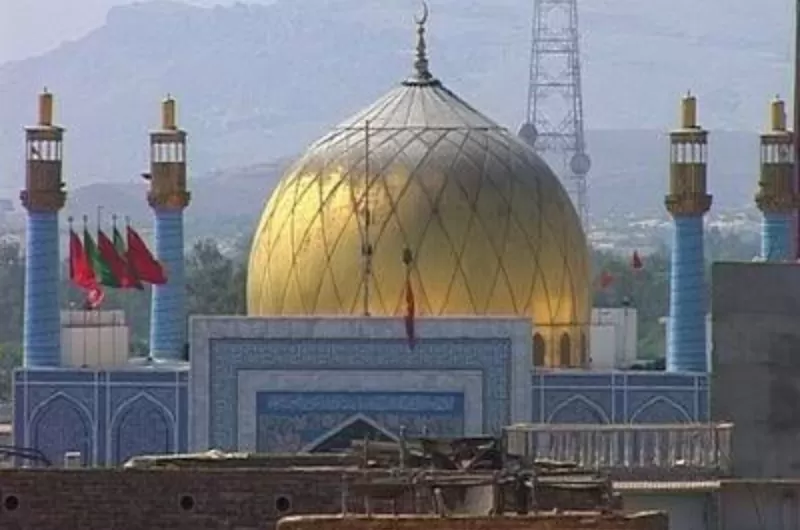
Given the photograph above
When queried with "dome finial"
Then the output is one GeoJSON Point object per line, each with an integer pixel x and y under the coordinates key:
{"type": "Point", "coordinates": [421, 62]}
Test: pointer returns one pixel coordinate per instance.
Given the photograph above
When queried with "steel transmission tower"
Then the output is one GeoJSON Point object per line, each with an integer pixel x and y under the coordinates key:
{"type": "Point", "coordinates": [554, 122]}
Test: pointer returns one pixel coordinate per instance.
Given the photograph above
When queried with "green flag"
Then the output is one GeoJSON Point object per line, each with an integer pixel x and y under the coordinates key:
{"type": "Point", "coordinates": [122, 249]}
{"type": "Point", "coordinates": [119, 243]}
{"type": "Point", "coordinates": [102, 270]}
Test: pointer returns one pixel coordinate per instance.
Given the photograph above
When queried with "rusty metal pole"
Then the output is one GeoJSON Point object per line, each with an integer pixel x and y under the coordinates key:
{"type": "Point", "coordinates": [796, 124]}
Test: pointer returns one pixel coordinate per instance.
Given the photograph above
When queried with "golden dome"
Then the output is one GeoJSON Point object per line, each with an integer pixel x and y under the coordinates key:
{"type": "Point", "coordinates": [490, 228]}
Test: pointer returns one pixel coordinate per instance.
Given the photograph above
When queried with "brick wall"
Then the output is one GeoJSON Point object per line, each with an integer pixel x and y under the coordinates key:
{"type": "Point", "coordinates": [196, 499]}
{"type": "Point", "coordinates": [544, 521]}
{"type": "Point", "coordinates": [158, 499]}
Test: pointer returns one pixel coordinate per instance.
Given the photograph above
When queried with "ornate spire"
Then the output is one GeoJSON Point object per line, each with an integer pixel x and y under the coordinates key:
{"type": "Point", "coordinates": [421, 62]}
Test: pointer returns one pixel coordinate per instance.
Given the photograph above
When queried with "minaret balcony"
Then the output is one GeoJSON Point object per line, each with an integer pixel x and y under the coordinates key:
{"type": "Point", "coordinates": [777, 203]}
{"type": "Point", "coordinates": [43, 200]}
{"type": "Point", "coordinates": [688, 204]}
{"type": "Point", "coordinates": [176, 200]}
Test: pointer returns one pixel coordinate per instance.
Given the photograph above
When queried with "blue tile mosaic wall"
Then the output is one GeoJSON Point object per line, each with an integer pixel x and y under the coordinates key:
{"type": "Point", "coordinates": [109, 416]}
{"type": "Point", "coordinates": [290, 421]}
{"type": "Point", "coordinates": [619, 397]}
{"type": "Point", "coordinates": [142, 426]}
{"type": "Point", "coordinates": [59, 425]}
{"type": "Point", "coordinates": [229, 357]}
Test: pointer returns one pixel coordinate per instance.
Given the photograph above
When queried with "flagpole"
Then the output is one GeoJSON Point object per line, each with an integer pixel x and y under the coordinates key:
{"type": "Point", "coordinates": [127, 307]}
{"type": "Point", "coordinates": [70, 305]}
{"type": "Point", "coordinates": [84, 303]}
{"type": "Point", "coordinates": [97, 313]}
{"type": "Point", "coordinates": [123, 299]}
{"type": "Point", "coordinates": [408, 260]}
{"type": "Point", "coordinates": [367, 250]}
{"type": "Point", "coordinates": [69, 225]}
{"type": "Point", "coordinates": [625, 316]}
{"type": "Point", "coordinates": [624, 336]}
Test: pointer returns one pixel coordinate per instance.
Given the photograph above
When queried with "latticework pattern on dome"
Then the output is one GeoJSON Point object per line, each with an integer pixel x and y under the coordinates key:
{"type": "Point", "coordinates": [490, 229]}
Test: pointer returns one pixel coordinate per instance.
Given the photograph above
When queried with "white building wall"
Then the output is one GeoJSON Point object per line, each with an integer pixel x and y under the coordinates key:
{"type": "Point", "coordinates": [94, 339]}
{"type": "Point", "coordinates": [686, 510]}
{"type": "Point", "coordinates": [614, 332]}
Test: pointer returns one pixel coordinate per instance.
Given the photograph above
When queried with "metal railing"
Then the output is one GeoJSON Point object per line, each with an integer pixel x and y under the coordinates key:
{"type": "Point", "coordinates": [679, 448]}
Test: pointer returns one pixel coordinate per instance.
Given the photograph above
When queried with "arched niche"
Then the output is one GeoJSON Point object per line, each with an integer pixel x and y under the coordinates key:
{"type": "Point", "coordinates": [61, 425]}
{"type": "Point", "coordinates": [539, 350]}
{"type": "Point", "coordinates": [142, 426]}
{"type": "Point", "coordinates": [584, 346]}
{"type": "Point", "coordinates": [565, 350]}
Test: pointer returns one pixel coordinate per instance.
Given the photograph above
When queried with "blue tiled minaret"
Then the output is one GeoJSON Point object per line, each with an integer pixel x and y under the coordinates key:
{"type": "Point", "coordinates": [43, 197]}
{"type": "Point", "coordinates": [687, 202]}
{"type": "Point", "coordinates": [168, 197]}
{"type": "Point", "coordinates": [776, 197]}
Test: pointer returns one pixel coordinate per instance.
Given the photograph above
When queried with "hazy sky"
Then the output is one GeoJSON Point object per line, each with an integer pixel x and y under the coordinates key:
{"type": "Point", "coordinates": [31, 27]}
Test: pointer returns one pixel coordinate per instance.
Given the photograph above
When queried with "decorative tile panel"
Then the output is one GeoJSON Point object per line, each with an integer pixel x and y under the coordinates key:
{"type": "Point", "coordinates": [60, 425]}
{"type": "Point", "coordinates": [288, 421]}
{"type": "Point", "coordinates": [142, 426]}
{"type": "Point", "coordinates": [222, 347]}
{"type": "Point", "coordinates": [106, 415]}
{"type": "Point", "coordinates": [122, 396]}
{"type": "Point", "coordinates": [491, 357]}
{"type": "Point", "coordinates": [567, 406]}
{"type": "Point", "coordinates": [619, 397]}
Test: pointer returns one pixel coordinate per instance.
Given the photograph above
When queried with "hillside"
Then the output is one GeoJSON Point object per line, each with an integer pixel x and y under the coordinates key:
{"type": "Point", "coordinates": [631, 179]}
{"type": "Point", "coordinates": [256, 83]}
{"type": "Point", "coordinates": [636, 177]}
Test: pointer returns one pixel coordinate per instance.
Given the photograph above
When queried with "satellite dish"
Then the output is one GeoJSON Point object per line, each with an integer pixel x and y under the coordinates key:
{"type": "Point", "coordinates": [528, 134]}
{"type": "Point", "coordinates": [580, 164]}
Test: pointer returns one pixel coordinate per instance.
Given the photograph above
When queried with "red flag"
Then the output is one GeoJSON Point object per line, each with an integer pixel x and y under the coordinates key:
{"type": "Point", "coordinates": [95, 297]}
{"type": "Point", "coordinates": [636, 261]}
{"type": "Point", "coordinates": [410, 310]}
{"type": "Point", "coordinates": [81, 272]}
{"type": "Point", "coordinates": [606, 279]}
{"type": "Point", "coordinates": [116, 263]}
{"type": "Point", "coordinates": [141, 260]}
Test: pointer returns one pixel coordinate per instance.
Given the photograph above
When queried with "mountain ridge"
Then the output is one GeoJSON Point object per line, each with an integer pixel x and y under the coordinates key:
{"type": "Point", "coordinates": [259, 82]}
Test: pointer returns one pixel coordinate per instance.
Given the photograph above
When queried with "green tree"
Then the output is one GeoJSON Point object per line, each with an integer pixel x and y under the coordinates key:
{"type": "Point", "coordinates": [10, 358]}
{"type": "Point", "coordinates": [728, 246]}
{"type": "Point", "coordinates": [648, 288]}
{"type": "Point", "coordinates": [216, 285]}
{"type": "Point", "coordinates": [12, 280]}
{"type": "Point", "coordinates": [215, 282]}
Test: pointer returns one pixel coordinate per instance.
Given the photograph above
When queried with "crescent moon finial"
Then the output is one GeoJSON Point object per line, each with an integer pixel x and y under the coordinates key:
{"type": "Point", "coordinates": [424, 18]}
{"type": "Point", "coordinates": [421, 62]}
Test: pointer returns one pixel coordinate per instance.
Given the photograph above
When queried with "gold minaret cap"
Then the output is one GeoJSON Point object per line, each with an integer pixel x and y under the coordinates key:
{"type": "Point", "coordinates": [777, 114]}
{"type": "Point", "coordinates": [45, 108]}
{"type": "Point", "coordinates": [689, 111]}
{"type": "Point", "coordinates": [168, 112]}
